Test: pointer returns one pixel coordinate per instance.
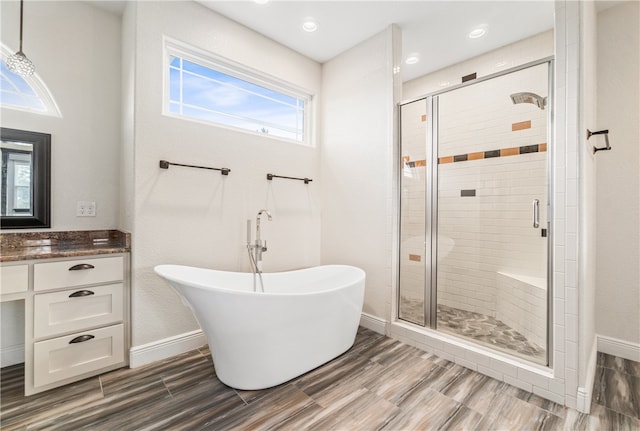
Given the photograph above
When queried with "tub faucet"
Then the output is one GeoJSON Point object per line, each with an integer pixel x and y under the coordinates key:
{"type": "Point", "coordinates": [258, 240]}
{"type": "Point", "coordinates": [258, 247]}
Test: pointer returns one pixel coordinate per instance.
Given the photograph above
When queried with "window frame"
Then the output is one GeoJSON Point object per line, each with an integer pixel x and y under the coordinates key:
{"type": "Point", "coordinates": [39, 88]}
{"type": "Point", "coordinates": [41, 179]}
{"type": "Point", "coordinates": [175, 48]}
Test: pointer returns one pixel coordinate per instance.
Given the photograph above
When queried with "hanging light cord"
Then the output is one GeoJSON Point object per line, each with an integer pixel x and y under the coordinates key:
{"type": "Point", "coordinates": [19, 63]}
{"type": "Point", "coordinates": [21, 11]}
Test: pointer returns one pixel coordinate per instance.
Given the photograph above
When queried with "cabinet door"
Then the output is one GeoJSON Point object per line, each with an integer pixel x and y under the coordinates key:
{"type": "Point", "coordinates": [69, 273]}
{"type": "Point", "coordinates": [77, 354]}
{"type": "Point", "coordinates": [75, 309]}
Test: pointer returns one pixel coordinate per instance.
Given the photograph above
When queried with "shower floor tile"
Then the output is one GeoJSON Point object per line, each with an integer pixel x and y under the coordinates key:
{"type": "Point", "coordinates": [484, 329]}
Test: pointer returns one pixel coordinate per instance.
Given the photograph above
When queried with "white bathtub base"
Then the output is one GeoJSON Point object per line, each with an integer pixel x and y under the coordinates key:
{"type": "Point", "coordinates": [258, 340]}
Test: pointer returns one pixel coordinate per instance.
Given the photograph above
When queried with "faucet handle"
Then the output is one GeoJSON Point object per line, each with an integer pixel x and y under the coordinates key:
{"type": "Point", "coordinates": [264, 247]}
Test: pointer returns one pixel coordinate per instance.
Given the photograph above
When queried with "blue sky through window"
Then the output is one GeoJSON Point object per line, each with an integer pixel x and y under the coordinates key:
{"type": "Point", "coordinates": [15, 92]}
{"type": "Point", "coordinates": [202, 93]}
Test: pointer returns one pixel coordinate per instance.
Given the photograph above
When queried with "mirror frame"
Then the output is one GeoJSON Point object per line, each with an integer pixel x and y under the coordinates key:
{"type": "Point", "coordinates": [41, 176]}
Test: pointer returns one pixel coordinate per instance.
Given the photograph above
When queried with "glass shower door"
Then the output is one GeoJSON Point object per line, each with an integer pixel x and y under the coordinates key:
{"type": "Point", "coordinates": [491, 212]}
{"type": "Point", "coordinates": [413, 189]}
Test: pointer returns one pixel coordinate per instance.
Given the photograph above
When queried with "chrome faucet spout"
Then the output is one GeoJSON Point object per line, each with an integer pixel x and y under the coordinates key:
{"type": "Point", "coordinates": [265, 212]}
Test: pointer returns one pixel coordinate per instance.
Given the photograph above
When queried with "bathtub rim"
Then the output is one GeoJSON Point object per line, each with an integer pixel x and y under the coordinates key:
{"type": "Point", "coordinates": [209, 287]}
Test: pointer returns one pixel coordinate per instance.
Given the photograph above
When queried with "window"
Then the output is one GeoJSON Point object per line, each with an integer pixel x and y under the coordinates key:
{"type": "Point", "coordinates": [28, 94]}
{"type": "Point", "coordinates": [18, 183]}
{"type": "Point", "coordinates": [200, 87]}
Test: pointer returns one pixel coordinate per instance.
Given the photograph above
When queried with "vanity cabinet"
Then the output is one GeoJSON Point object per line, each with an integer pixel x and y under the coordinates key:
{"type": "Point", "coordinates": [76, 316]}
{"type": "Point", "coordinates": [15, 279]}
{"type": "Point", "coordinates": [78, 309]}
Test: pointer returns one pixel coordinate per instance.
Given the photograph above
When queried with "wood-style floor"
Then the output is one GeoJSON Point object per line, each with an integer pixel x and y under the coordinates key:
{"type": "Point", "coordinates": [380, 383]}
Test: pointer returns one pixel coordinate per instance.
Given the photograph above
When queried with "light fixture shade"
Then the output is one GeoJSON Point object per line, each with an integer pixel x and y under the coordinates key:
{"type": "Point", "coordinates": [19, 64]}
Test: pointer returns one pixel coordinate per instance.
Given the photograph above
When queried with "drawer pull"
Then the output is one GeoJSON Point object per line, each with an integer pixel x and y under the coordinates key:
{"type": "Point", "coordinates": [81, 266]}
{"type": "Point", "coordinates": [80, 293]}
{"type": "Point", "coordinates": [81, 339]}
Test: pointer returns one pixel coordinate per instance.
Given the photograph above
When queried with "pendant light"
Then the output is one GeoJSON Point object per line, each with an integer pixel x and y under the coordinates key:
{"type": "Point", "coordinates": [18, 63]}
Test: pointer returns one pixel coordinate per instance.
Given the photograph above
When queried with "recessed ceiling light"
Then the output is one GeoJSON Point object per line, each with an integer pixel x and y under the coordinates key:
{"type": "Point", "coordinates": [309, 25]}
{"type": "Point", "coordinates": [261, 1]}
{"type": "Point", "coordinates": [477, 32]}
{"type": "Point", "coordinates": [444, 83]}
{"type": "Point", "coordinates": [412, 58]}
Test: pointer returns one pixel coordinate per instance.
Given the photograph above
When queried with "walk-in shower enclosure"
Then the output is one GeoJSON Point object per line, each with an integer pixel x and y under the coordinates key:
{"type": "Point", "coordinates": [474, 209]}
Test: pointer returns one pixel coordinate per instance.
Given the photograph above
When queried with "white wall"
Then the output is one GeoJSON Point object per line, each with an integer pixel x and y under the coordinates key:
{"type": "Point", "coordinates": [357, 164]}
{"type": "Point", "coordinates": [587, 206]}
{"type": "Point", "coordinates": [565, 212]}
{"type": "Point", "coordinates": [198, 217]}
{"type": "Point", "coordinates": [11, 333]}
{"type": "Point", "coordinates": [76, 50]}
{"type": "Point", "coordinates": [62, 39]}
{"type": "Point", "coordinates": [618, 181]}
{"type": "Point", "coordinates": [127, 116]}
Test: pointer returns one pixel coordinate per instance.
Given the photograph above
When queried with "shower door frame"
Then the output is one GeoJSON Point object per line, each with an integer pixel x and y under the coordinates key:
{"type": "Point", "coordinates": [431, 198]}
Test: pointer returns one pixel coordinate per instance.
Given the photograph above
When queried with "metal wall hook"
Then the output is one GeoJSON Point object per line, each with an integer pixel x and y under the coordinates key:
{"type": "Point", "coordinates": [606, 139]}
{"type": "Point", "coordinates": [165, 165]}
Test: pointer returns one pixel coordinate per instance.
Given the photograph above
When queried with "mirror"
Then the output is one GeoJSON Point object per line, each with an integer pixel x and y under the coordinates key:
{"type": "Point", "coordinates": [25, 179]}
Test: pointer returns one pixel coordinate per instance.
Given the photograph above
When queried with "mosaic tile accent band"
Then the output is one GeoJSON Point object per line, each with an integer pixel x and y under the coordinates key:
{"type": "Point", "coordinates": [503, 152]}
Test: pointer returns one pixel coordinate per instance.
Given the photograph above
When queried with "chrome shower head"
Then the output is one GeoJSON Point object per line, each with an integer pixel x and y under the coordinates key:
{"type": "Point", "coordinates": [525, 97]}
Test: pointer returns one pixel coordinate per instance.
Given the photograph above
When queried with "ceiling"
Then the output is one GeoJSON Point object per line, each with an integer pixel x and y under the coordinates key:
{"type": "Point", "coordinates": [435, 30]}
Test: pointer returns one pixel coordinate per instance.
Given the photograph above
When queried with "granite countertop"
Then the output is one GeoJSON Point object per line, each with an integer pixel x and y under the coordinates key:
{"type": "Point", "coordinates": [45, 245]}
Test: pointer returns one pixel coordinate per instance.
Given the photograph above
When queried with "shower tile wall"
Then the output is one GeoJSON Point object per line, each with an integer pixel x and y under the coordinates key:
{"type": "Point", "coordinates": [473, 230]}
{"type": "Point", "coordinates": [485, 204]}
{"type": "Point", "coordinates": [490, 232]}
{"type": "Point", "coordinates": [564, 44]}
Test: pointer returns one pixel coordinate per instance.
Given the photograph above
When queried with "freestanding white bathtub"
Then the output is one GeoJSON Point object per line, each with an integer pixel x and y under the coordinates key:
{"type": "Point", "coordinates": [303, 319]}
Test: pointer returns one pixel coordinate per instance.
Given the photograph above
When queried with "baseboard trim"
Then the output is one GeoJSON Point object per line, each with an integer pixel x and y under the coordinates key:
{"type": "Point", "coordinates": [166, 348]}
{"type": "Point", "coordinates": [374, 323]}
{"type": "Point", "coordinates": [584, 394]}
{"type": "Point", "coordinates": [620, 348]}
{"type": "Point", "coordinates": [11, 355]}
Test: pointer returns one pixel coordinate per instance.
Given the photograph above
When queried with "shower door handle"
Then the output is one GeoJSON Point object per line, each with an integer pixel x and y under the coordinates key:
{"type": "Point", "coordinates": [536, 213]}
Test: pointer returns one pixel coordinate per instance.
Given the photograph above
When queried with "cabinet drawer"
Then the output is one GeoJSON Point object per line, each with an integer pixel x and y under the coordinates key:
{"type": "Point", "coordinates": [14, 279]}
{"type": "Point", "coordinates": [69, 273]}
{"type": "Point", "coordinates": [75, 309]}
{"type": "Point", "coordinates": [66, 357]}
